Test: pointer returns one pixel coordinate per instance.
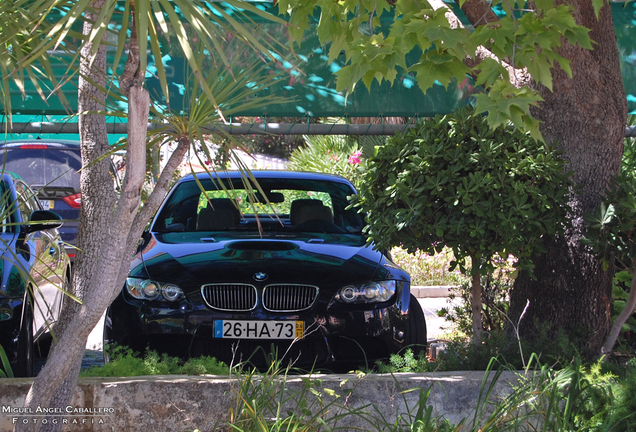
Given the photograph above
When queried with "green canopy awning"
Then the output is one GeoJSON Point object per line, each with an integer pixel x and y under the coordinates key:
{"type": "Point", "coordinates": [309, 84]}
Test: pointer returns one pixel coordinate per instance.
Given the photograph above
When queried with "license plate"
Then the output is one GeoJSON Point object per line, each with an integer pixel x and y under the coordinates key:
{"type": "Point", "coordinates": [47, 204]}
{"type": "Point", "coordinates": [238, 329]}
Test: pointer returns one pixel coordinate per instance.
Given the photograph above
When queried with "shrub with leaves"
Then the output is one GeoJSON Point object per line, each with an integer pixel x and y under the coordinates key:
{"type": "Point", "coordinates": [405, 361]}
{"type": "Point", "coordinates": [332, 154]}
{"type": "Point", "coordinates": [495, 290]}
{"type": "Point", "coordinates": [626, 341]}
{"type": "Point", "coordinates": [453, 181]}
{"type": "Point", "coordinates": [612, 233]}
{"type": "Point", "coordinates": [623, 400]}
{"type": "Point", "coordinates": [125, 363]}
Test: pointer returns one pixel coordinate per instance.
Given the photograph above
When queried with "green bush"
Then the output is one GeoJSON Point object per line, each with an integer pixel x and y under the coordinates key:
{"type": "Point", "coordinates": [404, 362]}
{"type": "Point", "coordinates": [624, 396]}
{"type": "Point", "coordinates": [331, 154]}
{"type": "Point", "coordinates": [454, 182]}
{"type": "Point", "coordinates": [125, 363]}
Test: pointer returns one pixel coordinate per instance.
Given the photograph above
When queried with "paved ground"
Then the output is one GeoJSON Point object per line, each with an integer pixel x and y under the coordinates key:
{"type": "Point", "coordinates": [434, 325]}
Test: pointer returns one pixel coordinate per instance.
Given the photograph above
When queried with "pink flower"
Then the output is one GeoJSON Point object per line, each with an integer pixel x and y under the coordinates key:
{"type": "Point", "coordinates": [354, 159]}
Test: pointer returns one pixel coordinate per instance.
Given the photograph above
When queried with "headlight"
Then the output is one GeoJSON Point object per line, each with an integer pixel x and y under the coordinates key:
{"type": "Point", "coordinates": [371, 292]}
{"type": "Point", "coordinates": [171, 292]}
{"type": "Point", "coordinates": [146, 289]}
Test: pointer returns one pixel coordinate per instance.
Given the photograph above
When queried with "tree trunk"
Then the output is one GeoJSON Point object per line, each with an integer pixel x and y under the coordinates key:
{"type": "Point", "coordinates": [55, 384]}
{"type": "Point", "coordinates": [585, 117]}
{"type": "Point", "coordinates": [103, 247]}
{"type": "Point", "coordinates": [476, 304]}
{"type": "Point", "coordinates": [109, 232]}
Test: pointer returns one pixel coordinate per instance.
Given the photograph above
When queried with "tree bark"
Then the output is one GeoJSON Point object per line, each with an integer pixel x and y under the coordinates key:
{"type": "Point", "coordinates": [104, 249]}
{"type": "Point", "coordinates": [55, 384]}
{"type": "Point", "coordinates": [476, 303]}
{"type": "Point", "coordinates": [585, 117]}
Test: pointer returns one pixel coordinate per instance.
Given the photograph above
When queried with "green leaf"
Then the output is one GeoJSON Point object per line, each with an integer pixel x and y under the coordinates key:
{"type": "Point", "coordinates": [349, 75]}
{"type": "Point", "coordinates": [490, 71]}
{"type": "Point", "coordinates": [435, 68]}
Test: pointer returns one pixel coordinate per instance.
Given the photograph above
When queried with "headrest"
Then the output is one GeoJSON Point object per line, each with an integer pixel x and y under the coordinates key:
{"type": "Point", "coordinates": [303, 210]}
{"type": "Point", "coordinates": [220, 214]}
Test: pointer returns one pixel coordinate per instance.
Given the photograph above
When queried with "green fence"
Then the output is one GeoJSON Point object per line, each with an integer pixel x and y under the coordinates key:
{"type": "Point", "coordinates": [310, 91]}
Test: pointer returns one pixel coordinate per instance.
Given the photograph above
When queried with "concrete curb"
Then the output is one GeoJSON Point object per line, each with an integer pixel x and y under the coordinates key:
{"type": "Point", "coordinates": [185, 403]}
{"type": "Point", "coordinates": [436, 291]}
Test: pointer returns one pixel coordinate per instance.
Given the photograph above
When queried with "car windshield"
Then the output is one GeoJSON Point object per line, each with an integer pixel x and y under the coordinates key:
{"type": "Point", "coordinates": [44, 167]}
{"type": "Point", "coordinates": [295, 205]}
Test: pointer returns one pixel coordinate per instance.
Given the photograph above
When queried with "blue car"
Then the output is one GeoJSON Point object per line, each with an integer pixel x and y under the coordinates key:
{"type": "Point", "coordinates": [34, 269]}
{"type": "Point", "coordinates": [52, 169]}
{"type": "Point", "coordinates": [247, 271]}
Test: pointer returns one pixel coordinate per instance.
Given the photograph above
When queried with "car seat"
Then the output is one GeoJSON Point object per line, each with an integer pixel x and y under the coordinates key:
{"type": "Point", "coordinates": [220, 214]}
{"type": "Point", "coordinates": [303, 210]}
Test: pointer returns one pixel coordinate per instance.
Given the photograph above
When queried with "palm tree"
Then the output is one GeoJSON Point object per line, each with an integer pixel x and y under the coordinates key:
{"type": "Point", "coordinates": [19, 37]}
{"type": "Point", "coordinates": [202, 31]}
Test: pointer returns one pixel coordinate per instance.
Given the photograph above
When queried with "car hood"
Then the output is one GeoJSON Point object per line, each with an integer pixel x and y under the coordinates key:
{"type": "Point", "coordinates": [194, 259]}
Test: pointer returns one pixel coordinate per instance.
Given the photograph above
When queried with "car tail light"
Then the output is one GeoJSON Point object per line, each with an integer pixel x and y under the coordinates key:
{"type": "Point", "coordinates": [74, 200]}
{"type": "Point", "coordinates": [34, 146]}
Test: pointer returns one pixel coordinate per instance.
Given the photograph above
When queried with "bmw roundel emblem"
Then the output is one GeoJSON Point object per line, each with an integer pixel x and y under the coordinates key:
{"type": "Point", "coordinates": [260, 276]}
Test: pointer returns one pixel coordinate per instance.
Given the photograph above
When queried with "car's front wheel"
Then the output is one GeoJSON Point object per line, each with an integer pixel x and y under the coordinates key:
{"type": "Point", "coordinates": [416, 338]}
{"type": "Point", "coordinates": [24, 361]}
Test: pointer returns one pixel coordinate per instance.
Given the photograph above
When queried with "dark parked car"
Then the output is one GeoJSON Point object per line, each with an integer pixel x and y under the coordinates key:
{"type": "Point", "coordinates": [34, 268]}
{"type": "Point", "coordinates": [51, 168]}
{"type": "Point", "coordinates": [216, 275]}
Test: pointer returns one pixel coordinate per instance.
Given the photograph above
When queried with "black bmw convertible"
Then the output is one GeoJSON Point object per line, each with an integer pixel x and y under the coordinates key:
{"type": "Point", "coordinates": [272, 266]}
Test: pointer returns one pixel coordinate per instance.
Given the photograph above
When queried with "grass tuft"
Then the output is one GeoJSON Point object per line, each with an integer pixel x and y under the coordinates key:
{"type": "Point", "coordinates": [125, 363]}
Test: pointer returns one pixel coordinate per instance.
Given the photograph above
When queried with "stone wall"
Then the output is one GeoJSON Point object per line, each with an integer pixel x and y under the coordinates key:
{"type": "Point", "coordinates": [187, 403]}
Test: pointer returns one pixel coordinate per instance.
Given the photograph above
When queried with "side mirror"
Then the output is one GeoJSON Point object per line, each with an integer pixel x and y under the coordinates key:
{"type": "Point", "coordinates": [43, 220]}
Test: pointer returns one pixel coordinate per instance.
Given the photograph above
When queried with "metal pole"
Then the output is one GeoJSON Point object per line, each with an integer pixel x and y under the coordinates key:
{"type": "Point", "coordinates": [232, 129]}
{"type": "Point", "coordinates": [241, 129]}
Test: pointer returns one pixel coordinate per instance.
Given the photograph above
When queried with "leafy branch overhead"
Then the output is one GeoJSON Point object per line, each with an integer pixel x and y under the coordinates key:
{"type": "Point", "coordinates": [377, 36]}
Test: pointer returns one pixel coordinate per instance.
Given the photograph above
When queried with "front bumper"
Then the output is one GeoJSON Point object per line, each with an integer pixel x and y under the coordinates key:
{"type": "Point", "coordinates": [343, 338]}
